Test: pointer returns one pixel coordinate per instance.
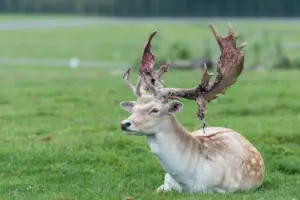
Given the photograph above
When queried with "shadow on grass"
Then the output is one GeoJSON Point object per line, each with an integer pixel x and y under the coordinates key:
{"type": "Point", "coordinates": [288, 168]}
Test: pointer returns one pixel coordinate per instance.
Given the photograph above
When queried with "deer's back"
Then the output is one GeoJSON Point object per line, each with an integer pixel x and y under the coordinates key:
{"type": "Point", "coordinates": [240, 156]}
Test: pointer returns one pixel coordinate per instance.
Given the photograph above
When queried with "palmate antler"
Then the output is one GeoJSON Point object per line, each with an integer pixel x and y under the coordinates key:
{"type": "Point", "coordinates": [230, 66]}
{"type": "Point", "coordinates": [147, 71]}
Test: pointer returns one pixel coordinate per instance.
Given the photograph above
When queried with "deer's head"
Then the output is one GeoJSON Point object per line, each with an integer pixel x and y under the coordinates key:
{"type": "Point", "coordinates": [152, 107]}
{"type": "Point", "coordinates": [150, 111]}
{"type": "Point", "coordinates": [148, 115]}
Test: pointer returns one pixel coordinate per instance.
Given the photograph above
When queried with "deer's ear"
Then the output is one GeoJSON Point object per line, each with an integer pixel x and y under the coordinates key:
{"type": "Point", "coordinates": [175, 107]}
{"type": "Point", "coordinates": [127, 105]}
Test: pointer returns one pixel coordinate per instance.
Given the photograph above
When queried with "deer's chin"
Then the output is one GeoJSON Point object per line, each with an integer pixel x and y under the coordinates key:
{"type": "Point", "coordinates": [130, 132]}
{"type": "Point", "coordinates": [136, 133]}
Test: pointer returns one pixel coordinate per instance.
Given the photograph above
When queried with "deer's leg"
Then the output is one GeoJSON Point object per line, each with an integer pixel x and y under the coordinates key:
{"type": "Point", "coordinates": [169, 185]}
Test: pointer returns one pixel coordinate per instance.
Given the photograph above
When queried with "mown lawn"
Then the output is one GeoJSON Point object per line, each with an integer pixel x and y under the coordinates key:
{"type": "Point", "coordinates": [60, 135]}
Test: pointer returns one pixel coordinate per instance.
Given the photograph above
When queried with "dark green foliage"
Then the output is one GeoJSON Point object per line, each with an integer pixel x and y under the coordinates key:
{"type": "Point", "coordinates": [179, 50]}
{"type": "Point", "coordinates": [231, 8]}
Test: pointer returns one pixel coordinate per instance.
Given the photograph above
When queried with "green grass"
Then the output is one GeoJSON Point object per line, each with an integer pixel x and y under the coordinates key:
{"type": "Point", "coordinates": [60, 136]}
{"type": "Point", "coordinates": [88, 157]}
{"type": "Point", "coordinates": [124, 41]}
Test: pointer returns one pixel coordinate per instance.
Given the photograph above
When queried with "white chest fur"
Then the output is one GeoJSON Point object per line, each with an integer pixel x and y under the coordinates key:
{"type": "Point", "coordinates": [185, 167]}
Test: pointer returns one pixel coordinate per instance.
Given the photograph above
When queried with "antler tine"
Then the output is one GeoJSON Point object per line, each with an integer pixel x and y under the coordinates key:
{"type": "Point", "coordinates": [163, 69]}
{"type": "Point", "coordinates": [244, 44]}
{"type": "Point", "coordinates": [129, 85]}
{"type": "Point", "coordinates": [214, 31]}
{"type": "Point", "coordinates": [230, 30]}
{"type": "Point", "coordinates": [138, 87]}
{"type": "Point", "coordinates": [148, 59]}
{"type": "Point", "coordinates": [205, 77]}
{"type": "Point", "coordinates": [216, 34]}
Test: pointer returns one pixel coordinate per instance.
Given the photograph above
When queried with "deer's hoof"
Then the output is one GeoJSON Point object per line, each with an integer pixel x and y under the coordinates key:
{"type": "Point", "coordinates": [163, 188]}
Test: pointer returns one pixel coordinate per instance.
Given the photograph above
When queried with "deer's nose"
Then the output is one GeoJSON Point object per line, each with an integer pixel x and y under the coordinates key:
{"type": "Point", "coordinates": [125, 124]}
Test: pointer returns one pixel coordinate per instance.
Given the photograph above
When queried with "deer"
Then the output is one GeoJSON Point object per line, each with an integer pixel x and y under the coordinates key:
{"type": "Point", "coordinates": [208, 160]}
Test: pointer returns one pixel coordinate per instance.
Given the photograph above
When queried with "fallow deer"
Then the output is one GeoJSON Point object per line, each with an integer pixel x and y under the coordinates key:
{"type": "Point", "coordinates": [217, 160]}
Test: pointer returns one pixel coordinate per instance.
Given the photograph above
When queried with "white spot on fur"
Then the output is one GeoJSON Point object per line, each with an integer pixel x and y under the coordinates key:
{"type": "Point", "coordinates": [249, 167]}
{"type": "Point", "coordinates": [253, 161]}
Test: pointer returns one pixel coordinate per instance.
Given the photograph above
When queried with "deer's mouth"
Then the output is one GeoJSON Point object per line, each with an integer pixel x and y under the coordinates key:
{"type": "Point", "coordinates": [130, 132]}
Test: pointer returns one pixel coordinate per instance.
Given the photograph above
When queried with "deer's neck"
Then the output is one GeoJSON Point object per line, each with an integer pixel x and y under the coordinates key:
{"type": "Point", "coordinates": [170, 134]}
{"type": "Point", "coordinates": [175, 148]}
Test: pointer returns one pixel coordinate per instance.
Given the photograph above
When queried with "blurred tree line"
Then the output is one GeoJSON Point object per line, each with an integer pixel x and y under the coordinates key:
{"type": "Point", "coordinates": [280, 8]}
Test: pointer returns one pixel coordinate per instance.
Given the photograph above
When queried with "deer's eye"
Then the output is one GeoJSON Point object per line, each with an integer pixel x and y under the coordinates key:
{"type": "Point", "coordinates": [154, 110]}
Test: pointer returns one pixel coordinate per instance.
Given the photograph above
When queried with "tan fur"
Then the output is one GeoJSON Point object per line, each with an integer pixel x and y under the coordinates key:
{"type": "Point", "coordinates": [251, 161]}
{"type": "Point", "coordinates": [218, 160]}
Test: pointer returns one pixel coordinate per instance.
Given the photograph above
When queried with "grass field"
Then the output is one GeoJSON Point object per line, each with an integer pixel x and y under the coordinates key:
{"type": "Point", "coordinates": [60, 136]}
{"type": "Point", "coordinates": [123, 41]}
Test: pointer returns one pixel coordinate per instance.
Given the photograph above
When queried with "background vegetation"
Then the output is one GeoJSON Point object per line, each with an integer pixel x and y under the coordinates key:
{"type": "Point", "coordinates": [60, 135]}
{"type": "Point", "coordinates": [269, 8]}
